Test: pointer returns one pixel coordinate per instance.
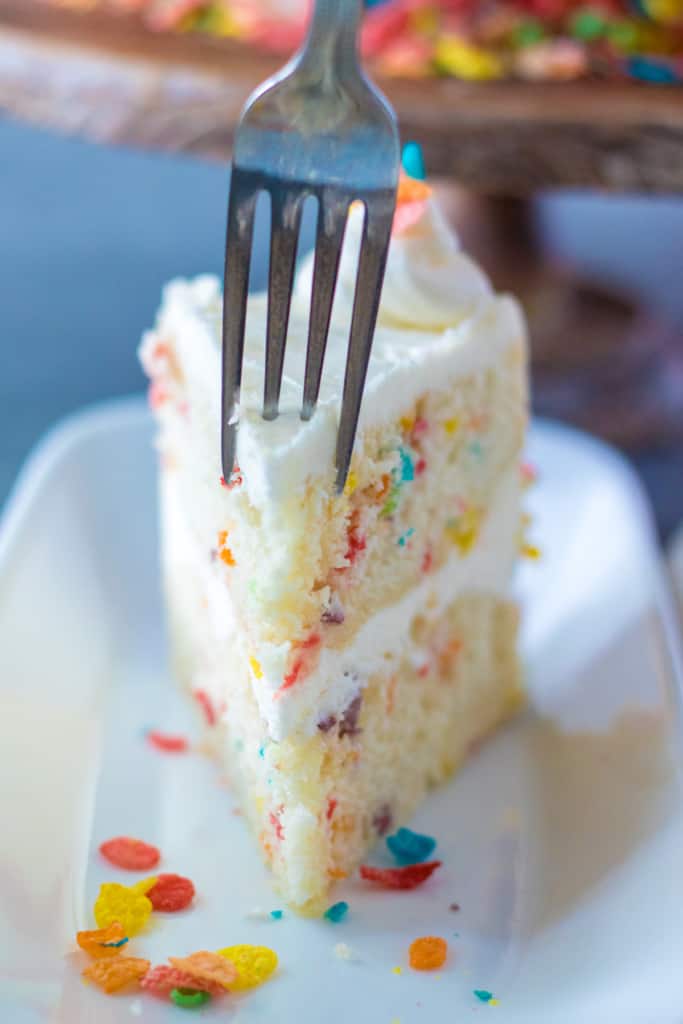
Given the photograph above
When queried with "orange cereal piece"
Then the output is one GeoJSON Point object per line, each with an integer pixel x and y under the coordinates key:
{"type": "Point", "coordinates": [113, 975]}
{"type": "Point", "coordinates": [411, 190]}
{"type": "Point", "coordinates": [103, 942]}
{"type": "Point", "coordinates": [224, 551]}
{"type": "Point", "coordinates": [428, 953]}
{"type": "Point", "coordinates": [206, 967]}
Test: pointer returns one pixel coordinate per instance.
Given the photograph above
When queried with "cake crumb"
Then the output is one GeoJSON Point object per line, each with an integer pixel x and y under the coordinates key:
{"type": "Point", "coordinates": [257, 914]}
{"type": "Point", "coordinates": [344, 952]}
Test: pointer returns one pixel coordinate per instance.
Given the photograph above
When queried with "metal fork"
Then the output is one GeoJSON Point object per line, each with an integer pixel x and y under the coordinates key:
{"type": "Point", "coordinates": [317, 128]}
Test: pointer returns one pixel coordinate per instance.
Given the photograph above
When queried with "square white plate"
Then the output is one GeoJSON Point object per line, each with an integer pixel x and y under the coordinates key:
{"type": "Point", "coordinates": [562, 839]}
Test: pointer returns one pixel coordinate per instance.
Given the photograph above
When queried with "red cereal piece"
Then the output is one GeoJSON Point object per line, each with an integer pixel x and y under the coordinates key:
{"type": "Point", "coordinates": [355, 540]}
{"type": "Point", "coordinates": [292, 676]}
{"type": "Point", "coordinates": [331, 807]}
{"type": "Point", "coordinates": [171, 893]}
{"type": "Point", "coordinates": [130, 854]}
{"type": "Point", "coordinates": [162, 979]}
{"type": "Point", "coordinates": [420, 467]}
{"type": "Point", "coordinates": [277, 824]}
{"type": "Point", "coordinates": [310, 642]}
{"type": "Point", "coordinates": [204, 701]}
{"type": "Point", "coordinates": [166, 742]}
{"type": "Point", "coordinates": [400, 878]}
{"type": "Point", "coordinates": [303, 663]}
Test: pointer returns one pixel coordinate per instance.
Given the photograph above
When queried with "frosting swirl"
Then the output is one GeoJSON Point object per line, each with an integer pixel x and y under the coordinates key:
{"type": "Point", "coordinates": [430, 283]}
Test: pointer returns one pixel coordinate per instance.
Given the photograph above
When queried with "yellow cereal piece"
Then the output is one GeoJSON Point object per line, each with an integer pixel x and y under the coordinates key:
{"type": "Point", "coordinates": [664, 10]}
{"type": "Point", "coordinates": [256, 667]}
{"type": "Point", "coordinates": [124, 904]}
{"type": "Point", "coordinates": [397, 970]}
{"type": "Point", "coordinates": [407, 424]}
{"type": "Point", "coordinates": [254, 965]}
{"type": "Point", "coordinates": [451, 425]}
{"type": "Point", "coordinates": [464, 530]}
{"type": "Point", "coordinates": [145, 885]}
{"type": "Point", "coordinates": [530, 551]}
{"type": "Point", "coordinates": [351, 483]}
{"type": "Point", "coordinates": [494, 1002]}
{"type": "Point", "coordinates": [472, 63]}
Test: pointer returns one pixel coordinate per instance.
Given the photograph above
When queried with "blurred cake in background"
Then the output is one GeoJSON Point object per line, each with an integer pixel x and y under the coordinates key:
{"type": "Point", "coordinates": [525, 39]}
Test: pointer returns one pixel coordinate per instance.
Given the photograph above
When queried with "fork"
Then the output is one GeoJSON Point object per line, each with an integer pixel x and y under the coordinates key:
{"type": "Point", "coordinates": [317, 128]}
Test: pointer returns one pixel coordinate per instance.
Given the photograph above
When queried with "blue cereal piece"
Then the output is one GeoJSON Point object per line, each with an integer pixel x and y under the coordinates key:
{"type": "Point", "coordinates": [412, 161]}
{"type": "Point", "coordinates": [644, 69]}
{"type": "Point", "coordinates": [407, 467]}
{"type": "Point", "coordinates": [337, 912]}
{"type": "Point", "coordinates": [410, 847]}
{"type": "Point", "coordinates": [276, 915]}
{"type": "Point", "coordinates": [483, 995]}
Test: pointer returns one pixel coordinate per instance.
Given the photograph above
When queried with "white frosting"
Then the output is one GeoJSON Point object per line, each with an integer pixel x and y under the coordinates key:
{"type": "Point", "coordinates": [430, 283]}
{"type": "Point", "coordinates": [277, 458]}
{"type": "Point", "coordinates": [382, 641]}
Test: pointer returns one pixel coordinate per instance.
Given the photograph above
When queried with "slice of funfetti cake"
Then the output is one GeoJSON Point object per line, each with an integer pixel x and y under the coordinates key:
{"type": "Point", "coordinates": [351, 648]}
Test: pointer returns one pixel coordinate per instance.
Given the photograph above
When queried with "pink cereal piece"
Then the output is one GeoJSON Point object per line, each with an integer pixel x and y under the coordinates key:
{"type": "Point", "coordinates": [157, 394]}
{"type": "Point", "coordinates": [160, 980]}
{"type": "Point", "coordinates": [204, 701]}
{"type": "Point", "coordinates": [407, 215]}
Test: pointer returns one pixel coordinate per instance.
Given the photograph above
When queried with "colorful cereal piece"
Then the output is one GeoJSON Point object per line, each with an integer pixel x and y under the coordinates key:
{"type": "Point", "coordinates": [337, 912]}
{"type": "Point", "coordinates": [104, 942]}
{"type": "Point", "coordinates": [162, 979]}
{"type": "Point", "coordinates": [166, 742]}
{"type": "Point", "coordinates": [277, 915]}
{"type": "Point", "coordinates": [254, 965]}
{"type": "Point", "coordinates": [130, 854]}
{"type": "Point", "coordinates": [145, 885]}
{"type": "Point", "coordinates": [428, 953]}
{"type": "Point", "coordinates": [113, 975]}
{"type": "Point", "coordinates": [124, 904]}
{"type": "Point", "coordinates": [410, 847]}
{"type": "Point", "coordinates": [206, 704]}
{"type": "Point", "coordinates": [188, 998]}
{"type": "Point", "coordinates": [205, 966]}
{"type": "Point", "coordinates": [171, 893]}
{"type": "Point", "coordinates": [483, 995]}
{"type": "Point", "coordinates": [412, 161]}
{"type": "Point", "coordinates": [408, 877]}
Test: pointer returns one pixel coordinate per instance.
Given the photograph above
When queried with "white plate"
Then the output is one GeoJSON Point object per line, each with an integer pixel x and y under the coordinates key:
{"type": "Point", "coordinates": [562, 839]}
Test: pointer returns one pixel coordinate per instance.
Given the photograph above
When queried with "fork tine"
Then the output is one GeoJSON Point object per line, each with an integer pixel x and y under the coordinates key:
{"type": "Point", "coordinates": [371, 264]}
{"type": "Point", "coordinates": [285, 222]}
{"type": "Point", "coordinates": [332, 213]}
{"type": "Point", "coordinates": [241, 207]}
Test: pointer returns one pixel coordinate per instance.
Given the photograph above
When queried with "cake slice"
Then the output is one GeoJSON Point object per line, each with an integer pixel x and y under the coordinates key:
{"type": "Point", "coordinates": [350, 648]}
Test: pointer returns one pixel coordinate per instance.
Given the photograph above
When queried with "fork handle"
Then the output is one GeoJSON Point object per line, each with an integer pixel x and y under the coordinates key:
{"type": "Point", "coordinates": [333, 33]}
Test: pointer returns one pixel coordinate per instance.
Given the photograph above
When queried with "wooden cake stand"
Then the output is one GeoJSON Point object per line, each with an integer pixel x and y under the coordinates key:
{"type": "Point", "coordinates": [599, 360]}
